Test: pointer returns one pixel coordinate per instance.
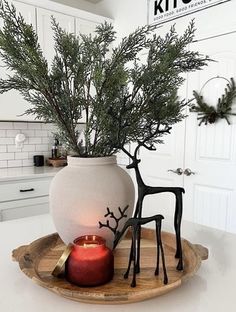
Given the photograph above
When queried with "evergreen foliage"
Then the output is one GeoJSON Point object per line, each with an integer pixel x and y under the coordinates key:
{"type": "Point", "coordinates": [123, 100]}
{"type": "Point", "coordinates": [210, 114]}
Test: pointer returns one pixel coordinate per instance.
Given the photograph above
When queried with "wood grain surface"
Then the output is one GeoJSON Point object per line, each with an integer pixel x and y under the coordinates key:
{"type": "Point", "coordinates": [38, 260]}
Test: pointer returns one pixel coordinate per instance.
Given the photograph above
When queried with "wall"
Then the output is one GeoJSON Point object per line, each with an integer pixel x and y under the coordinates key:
{"type": "Point", "coordinates": [85, 5]}
{"type": "Point", "coordinates": [39, 139]}
{"type": "Point", "coordinates": [129, 14]}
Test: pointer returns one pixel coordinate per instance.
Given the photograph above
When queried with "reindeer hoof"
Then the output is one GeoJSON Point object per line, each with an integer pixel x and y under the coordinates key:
{"type": "Point", "coordinates": [180, 266]}
{"type": "Point", "coordinates": [165, 280]}
{"type": "Point", "coordinates": [157, 272]}
{"type": "Point", "coordinates": [126, 275]}
{"type": "Point", "coordinates": [137, 270]}
{"type": "Point", "coordinates": [133, 284]}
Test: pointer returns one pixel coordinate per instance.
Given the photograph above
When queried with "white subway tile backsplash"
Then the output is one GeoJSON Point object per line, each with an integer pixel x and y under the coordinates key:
{"type": "Point", "coordinates": [20, 125]}
{"type": "Point", "coordinates": [41, 133]}
{"type": "Point", "coordinates": [6, 156]}
{"type": "Point", "coordinates": [35, 140]}
{"type": "Point", "coordinates": [6, 125]}
{"type": "Point", "coordinates": [14, 163]}
{"type": "Point", "coordinates": [35, 126]}
{"type": "Point", "coordinates": [22, 155]}
{"type": "Point", "coordinates": [47, 140]}
{"type": "Point", "coordinates": [3, 148]}
{"type": "Point", "coordinates": [28, 133]}
{"type": "Point", "coordinates": [3, 163]}
{"type": "Point", "coordinates": [2, 133]}
{"type": "Point", "coordinates": [12, 148]}
{"type": "Point", "coordinates": [27, 162]}
{"type": "Point", "coordinates": [4, 141]}
{"type": "Point", "coordinates": [41, 148]}
{"type": "Point", "coordinates": [49, 126]}
{"type": "Point", "coordinates": [28, 148]}
{"type": "Point", "coordinates": [11, 133]}
{"type": "Point", "coordinates": [39, 139]}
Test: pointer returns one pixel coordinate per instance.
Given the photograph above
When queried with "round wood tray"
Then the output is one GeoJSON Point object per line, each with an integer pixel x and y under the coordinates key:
{"type": "Point", "coordinates": [38, 260]}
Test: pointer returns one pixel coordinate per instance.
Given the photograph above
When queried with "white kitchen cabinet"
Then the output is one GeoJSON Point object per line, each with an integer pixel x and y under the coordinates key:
{"type": "Point", "coordinates": [24, 197]}
{"type": "Point", "coordinates": [24, 208]}
{"type": "Point", "coordinates": [45, 32]}
{"type": "Point", "coordinates": [85, 27]}
{"type": "Point", "coordinates": [12, 104]}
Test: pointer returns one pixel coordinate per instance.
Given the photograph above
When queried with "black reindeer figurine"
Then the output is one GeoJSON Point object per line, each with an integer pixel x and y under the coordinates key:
{"type": "Point", "coordinates": [144, 190]}
{"type": "Point", "coordinates": [135, 224]}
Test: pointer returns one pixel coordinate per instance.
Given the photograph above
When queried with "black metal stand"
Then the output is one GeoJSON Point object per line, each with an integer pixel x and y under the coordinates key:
{"type": "Point", "coordinates": [135, 224]}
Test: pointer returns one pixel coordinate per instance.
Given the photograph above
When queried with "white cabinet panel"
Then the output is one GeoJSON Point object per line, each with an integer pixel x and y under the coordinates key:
{"type": "Point", "coordinates": [24, 208]}
{"type": "Point", "coordinates": [85, 27]}
{"type": "Point", "coordinates": [24, 197]}
{"type": "Point", "coordinates": [45, 32]}
{"type": "Point", "coordinates": [12, 104]}
{"type": "Point", "coordinates": [24, 189]}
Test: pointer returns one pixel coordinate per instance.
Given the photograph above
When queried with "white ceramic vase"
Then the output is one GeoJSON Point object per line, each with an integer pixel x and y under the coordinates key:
{"type": "Point", "coordinates": [81, 193]}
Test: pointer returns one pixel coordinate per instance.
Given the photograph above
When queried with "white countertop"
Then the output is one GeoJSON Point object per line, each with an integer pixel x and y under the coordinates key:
{"type": "Point", "coordinates": [212, 289]}
{"type": "Point", "coordinates": [20, 173]}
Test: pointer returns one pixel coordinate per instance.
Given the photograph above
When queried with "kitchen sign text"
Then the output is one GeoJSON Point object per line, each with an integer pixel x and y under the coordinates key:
{"type": "Point", "coordinates": [161, 11]}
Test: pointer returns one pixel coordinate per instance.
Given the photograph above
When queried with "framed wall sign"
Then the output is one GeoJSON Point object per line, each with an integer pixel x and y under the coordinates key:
{"type": "Point", "coordinates": [161, 11]}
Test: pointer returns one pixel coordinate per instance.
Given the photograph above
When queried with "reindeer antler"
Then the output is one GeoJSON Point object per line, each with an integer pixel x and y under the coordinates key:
{"type": "Point", "coordinates": [112, 216]}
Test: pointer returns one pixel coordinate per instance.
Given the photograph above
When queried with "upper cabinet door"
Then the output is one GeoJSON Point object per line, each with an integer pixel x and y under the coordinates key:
{"type": "Point", "coordinates": [85, 27]}
{"type": "Point", "coordinates": [12, 104]}
{"type": "Point", "coordinates": [45, 32]}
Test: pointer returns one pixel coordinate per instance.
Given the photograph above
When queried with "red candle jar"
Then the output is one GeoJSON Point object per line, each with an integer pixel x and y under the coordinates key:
{"type": "Point", "coordinates": [90, 263]}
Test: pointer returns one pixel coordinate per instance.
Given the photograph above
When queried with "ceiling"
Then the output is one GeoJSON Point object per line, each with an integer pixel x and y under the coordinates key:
{"type": "Point", "coordinates": [93, 1]}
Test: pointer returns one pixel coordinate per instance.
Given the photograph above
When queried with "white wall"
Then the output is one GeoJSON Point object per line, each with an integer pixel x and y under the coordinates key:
{"type": "Point", "coordinates": [84, 5]}
{"type": "Point", "coordinates": [129, 14]}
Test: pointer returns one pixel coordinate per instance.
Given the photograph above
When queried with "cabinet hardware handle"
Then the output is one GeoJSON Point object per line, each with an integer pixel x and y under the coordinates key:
{"type": "Point", "coordinates": [27, 190]}
{"type": "Point", "coordinates": [188, 172]}
{"type": "Point", "coordinates": [178, 171]}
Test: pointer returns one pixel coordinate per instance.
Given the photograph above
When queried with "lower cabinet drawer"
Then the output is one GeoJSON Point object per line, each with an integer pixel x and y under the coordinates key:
{"type": "Point", "coordinates": [24, 189]}
{"type": "Point", "coordinates": [24, 208]}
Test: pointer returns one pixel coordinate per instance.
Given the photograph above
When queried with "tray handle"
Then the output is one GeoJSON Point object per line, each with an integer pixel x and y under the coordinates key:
{"type": "Point", "coordinates": [18, 252]}
{"type": "Point", "coordinates": [202, 251]}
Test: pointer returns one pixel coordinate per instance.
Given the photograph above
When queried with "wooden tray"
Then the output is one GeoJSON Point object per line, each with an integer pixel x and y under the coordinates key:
{"type": "Point", "coordinates": [38, 259]}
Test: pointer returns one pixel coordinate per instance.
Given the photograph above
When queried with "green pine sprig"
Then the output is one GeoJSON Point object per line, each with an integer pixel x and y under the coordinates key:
{"type": "Point", "coordinates": [121, 99]}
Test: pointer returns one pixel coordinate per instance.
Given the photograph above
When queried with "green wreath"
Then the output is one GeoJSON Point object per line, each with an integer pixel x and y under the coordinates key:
{"type": "Point", "coordinates": [210, 114]}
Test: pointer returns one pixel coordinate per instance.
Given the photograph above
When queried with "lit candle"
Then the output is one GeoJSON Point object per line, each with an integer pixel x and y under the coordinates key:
{"type": "Point", "coordinates": [90, 263]}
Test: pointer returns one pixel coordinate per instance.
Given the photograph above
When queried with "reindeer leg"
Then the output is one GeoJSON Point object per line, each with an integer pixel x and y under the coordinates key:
{"type": "Point", "coordinates": [137, 266]}
{"type": "Point", "coordinates": [139, 215]}
{"type": "Point", "coordinates": [126, 275]}
{"type": "Point", "coordinates": [158, 250]}
{"type": "Point", "coordinates": [178, 219]}
{"type": "Point", "coordinates": [162, 254]}
{"type": "Point", "coordinates": [133, 284]}
{"type": "Point", "coordinates": [177, 222]}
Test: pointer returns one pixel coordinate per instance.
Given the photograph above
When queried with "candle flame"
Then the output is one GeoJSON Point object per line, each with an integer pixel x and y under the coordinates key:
{"type": "Point", "coordinates": [89, 245]}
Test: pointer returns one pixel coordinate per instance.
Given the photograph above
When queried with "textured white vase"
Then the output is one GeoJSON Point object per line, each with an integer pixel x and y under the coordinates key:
{"type": "Point", "coordinates": [81, 192]}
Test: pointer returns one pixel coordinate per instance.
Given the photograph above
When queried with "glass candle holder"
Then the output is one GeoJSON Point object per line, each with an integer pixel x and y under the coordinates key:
{"type": "Point", "coordinates": [90, 263]}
